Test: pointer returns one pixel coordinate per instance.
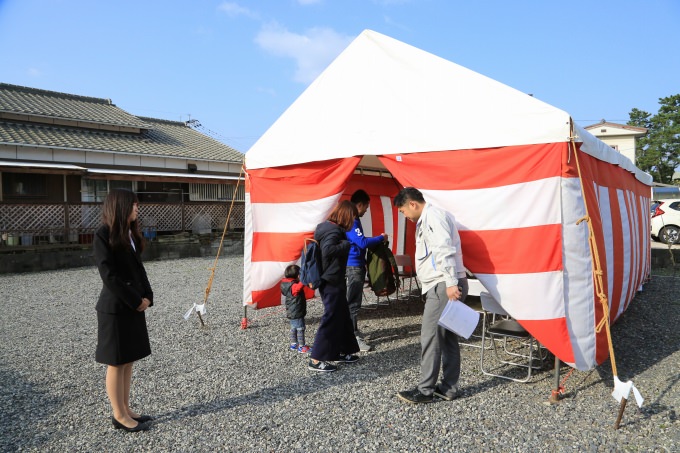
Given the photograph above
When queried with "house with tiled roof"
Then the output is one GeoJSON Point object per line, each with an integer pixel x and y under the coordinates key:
{"type": "Point", "coordinates": [621, 137]}
{"type": "Point", "coordinates": [61, 153]}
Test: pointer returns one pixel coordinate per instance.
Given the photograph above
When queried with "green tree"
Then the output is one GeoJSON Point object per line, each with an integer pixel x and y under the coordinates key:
{"type": "Point", "coordinates": [658, 153]}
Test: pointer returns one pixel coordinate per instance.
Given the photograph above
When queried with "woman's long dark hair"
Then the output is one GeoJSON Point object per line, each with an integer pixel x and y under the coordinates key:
{"type": "Point", "coordinates": [116, 212]}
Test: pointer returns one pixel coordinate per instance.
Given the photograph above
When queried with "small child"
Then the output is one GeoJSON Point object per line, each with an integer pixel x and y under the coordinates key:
{"type": "Point", "coordinates": [297, 295]}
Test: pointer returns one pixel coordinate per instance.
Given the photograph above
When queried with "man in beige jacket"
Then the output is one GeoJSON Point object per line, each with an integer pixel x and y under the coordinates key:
{"type": "Point", "coordinates": [439, 265]}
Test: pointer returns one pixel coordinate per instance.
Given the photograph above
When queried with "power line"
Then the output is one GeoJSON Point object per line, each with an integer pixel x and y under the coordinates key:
{"type": "Point", "coordinates": [196, 125]}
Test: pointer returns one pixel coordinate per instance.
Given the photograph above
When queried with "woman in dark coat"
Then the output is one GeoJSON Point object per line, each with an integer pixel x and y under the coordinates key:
{"type": "Point", "coordinates": [335, 340]}
{"type": "Point", "coordinates": [122, 337]}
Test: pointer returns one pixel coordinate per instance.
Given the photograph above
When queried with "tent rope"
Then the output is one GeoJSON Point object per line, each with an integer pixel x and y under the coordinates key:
{"type": "Point", "coordinates": [559, 391]}
{"type": "Point", "coordinates": [219, 249]}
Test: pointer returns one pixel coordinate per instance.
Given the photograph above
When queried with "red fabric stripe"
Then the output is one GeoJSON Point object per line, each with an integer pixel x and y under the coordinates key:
{"type": "Point", "coordinates": [267, 298]}
{"type": "Point", "coordinates": [553, 334]}
{"type": "Point", "coordinates": [513, 251]}
{"type": "Point", "coordinates": [304, 182]}
{"type": "Point", "coordinates": [377, 217]}
{"type": "Point", "coordinates": [280, 247]}
{"type": "Point", "coordinates": [447, 170]}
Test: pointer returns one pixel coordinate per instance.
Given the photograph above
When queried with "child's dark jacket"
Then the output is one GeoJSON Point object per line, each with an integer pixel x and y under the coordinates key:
{"type": "Point", "coordinates": [296, 297]}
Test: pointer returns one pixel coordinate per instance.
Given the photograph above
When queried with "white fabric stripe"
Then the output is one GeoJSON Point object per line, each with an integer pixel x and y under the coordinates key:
{"type": "Point", "coordinates": [297, 217]}
{"type": "Point", "coordinates": [527, 296]}
{"type": "Point", "coordinates": [635, 249]}
{"type": "Point", "coordinates": [607, 229]}
{"type": "Point", "coordinates": [266, 274]}
{"type": "Point", "coordinates": [367, 223]}
{"type": "Point", "coordinates": [493, 209]}
{"type": "Point", "coordinates": [646, 237]}
{"type": "Point", "coordinates": [625, 226]}
{"type": "Point", "coordinates": [578, 276]}
{"type": "Point", "coordinates": [388, 218]}
{"type": "Point", "coordinates": [400, 234]}
{"type": "Point", "coordinates": [247, 250]}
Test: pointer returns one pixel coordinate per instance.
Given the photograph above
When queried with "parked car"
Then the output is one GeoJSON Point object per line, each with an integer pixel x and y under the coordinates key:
{"type": "Point", "coordinates": [666, 221]}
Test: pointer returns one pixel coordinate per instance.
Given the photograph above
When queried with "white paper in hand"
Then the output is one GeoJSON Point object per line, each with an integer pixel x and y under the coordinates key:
{"type": "Point", "coordinates": [459, 318]}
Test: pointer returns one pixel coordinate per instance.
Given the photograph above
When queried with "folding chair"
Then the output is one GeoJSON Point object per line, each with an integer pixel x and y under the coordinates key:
{"type": "Point", "coordinates": [406, 271]}
{"type": "Point", "coordinates": [475, 303]}
{"type": "Point", "coordinates": [503, 327]}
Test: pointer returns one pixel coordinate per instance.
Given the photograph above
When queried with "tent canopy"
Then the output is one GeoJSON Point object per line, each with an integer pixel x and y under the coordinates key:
{"type": "Point", "coordinates": [382, 96]}
{"type": "Point", "coordinates": [516, 173]}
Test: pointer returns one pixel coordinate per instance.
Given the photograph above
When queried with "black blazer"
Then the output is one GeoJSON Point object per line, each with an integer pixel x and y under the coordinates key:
{"type": "Point", "coordinates": [123, 275]}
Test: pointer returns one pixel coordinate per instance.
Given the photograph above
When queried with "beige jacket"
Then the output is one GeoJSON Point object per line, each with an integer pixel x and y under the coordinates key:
{"type": "Point", "coordinates": [439, 257]}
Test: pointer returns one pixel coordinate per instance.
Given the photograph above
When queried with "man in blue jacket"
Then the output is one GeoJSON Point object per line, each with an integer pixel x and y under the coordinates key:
{"type": "Point", "coordinates": [356, 263]}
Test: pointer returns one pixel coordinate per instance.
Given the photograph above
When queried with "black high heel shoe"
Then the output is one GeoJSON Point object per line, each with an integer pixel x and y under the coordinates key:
{"type": "Point", "coordinates": [134, 429]}
{"type": "Point", "coordinates": [143, 418]}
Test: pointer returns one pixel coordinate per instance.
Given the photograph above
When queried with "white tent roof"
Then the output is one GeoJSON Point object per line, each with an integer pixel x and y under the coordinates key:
{"type": "Point", "coordinates": [381, 96]}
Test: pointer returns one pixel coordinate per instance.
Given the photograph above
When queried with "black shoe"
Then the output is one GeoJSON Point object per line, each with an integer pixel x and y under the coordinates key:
{"type": "Point", "coordinates": [446, 397]}
{"type": "Point", "coordinates": [143, 418]}
{"type": "Point", "coordinates": [347, 358]}
{"type": "Point", "coordinates": [321, 366]}
{"type": "Point", "coordinates": [134, 429]}
{"type": "Point", "coordinates": [414, 396]}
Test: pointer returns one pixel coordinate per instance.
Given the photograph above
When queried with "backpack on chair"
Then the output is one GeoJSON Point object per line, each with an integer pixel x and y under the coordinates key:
{"type": "Point", "coordinates": [311, 267]}
{"type": "Point", "coordinates": [383, 273]}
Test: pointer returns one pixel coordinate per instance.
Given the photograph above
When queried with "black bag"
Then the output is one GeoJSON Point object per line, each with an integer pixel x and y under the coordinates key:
{"type": "Point", "coordinates": [311, 267]}
{"type": "Point", "coordinates": [383, 273]}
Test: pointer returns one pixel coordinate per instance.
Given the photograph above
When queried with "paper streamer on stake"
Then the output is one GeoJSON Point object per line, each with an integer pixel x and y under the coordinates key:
{"type": "Point", "coordinates": [622, 390]}
{"type": "Point", "coordinates": [200, 308]}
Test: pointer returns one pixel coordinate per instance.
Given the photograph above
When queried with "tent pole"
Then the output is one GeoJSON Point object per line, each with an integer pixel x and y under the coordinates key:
{"type": "Point", "coordinates": [555, 395]}
{"type": "Point", "coordinates": [244, 320]}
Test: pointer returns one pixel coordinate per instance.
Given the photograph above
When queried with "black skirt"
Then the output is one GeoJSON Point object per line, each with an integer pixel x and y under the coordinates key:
{"type": "Point", "coordinates": [121, 338]}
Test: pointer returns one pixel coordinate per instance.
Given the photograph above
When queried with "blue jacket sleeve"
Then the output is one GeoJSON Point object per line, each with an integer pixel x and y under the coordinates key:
{"type": "Point", "coordinates": [356, 237]}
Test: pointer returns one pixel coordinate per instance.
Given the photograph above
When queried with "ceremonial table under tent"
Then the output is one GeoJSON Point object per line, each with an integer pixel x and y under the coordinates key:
{"type": "Point", "coordinates": [553, 222]}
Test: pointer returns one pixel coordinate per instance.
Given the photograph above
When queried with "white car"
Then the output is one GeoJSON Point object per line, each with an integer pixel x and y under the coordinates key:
{"type": "Point", "coordinates": [666, 221]}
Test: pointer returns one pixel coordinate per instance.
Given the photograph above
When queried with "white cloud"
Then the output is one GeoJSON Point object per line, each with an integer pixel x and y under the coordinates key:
{"type": "Point", "coordinates": [312, 51]}
{"type": "Point", "coordinates": [234, 9]}
{"type": "Point", "coordinates": [389, 21]}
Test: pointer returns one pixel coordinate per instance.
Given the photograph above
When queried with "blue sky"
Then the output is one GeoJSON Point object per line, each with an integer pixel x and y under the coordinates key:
{"type": "Point", "coordinates": [237, 65]}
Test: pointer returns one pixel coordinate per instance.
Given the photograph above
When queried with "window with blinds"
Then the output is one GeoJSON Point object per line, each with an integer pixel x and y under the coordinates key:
{"type": "Point", "coordinates": [216, 192]}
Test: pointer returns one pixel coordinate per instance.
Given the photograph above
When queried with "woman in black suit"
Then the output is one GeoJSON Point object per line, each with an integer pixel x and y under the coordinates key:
{"type": "Point", "coordinates": [122, 336]}
{"type": "Point", "coordinates": [335, 340]}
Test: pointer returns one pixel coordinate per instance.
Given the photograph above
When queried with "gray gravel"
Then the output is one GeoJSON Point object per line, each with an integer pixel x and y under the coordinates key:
{"type": "Point", "coordinates": [223, 388]}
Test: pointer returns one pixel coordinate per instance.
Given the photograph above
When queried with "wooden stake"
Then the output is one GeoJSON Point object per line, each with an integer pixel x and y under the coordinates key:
{"type": "Point", "coordinates": [622, 407]}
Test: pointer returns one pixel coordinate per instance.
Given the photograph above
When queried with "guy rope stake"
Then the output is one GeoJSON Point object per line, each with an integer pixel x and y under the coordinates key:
{"type": "Point", "coordinates": [200, 308]}
{"type": "Point", "coordinates": [621, 390]}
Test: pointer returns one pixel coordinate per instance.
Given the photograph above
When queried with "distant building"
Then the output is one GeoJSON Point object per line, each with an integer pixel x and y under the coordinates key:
{"type": "Point", "coordinates": [60, 154]}
{"type": "Point", "coordinates": [621, 137]}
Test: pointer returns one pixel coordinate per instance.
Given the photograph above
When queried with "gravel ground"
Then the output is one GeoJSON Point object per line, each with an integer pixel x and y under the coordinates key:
{"type": "Point", "coordinates": [227, 389]}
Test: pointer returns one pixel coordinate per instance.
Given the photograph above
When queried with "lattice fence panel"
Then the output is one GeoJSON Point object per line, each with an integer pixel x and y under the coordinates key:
{"type": "Point", "coordinates": [164, 217]}
{"type": "Point", "coordinates": [85, 216]}
{"type": "Point", "coordinates": [214, 214]}
{"type": "Point", "coordinates": [217, 214]}
{"type": "Point", "coordinates": [238, 216]}
{"type": "Point", "coordinates": [33, 218]}
{"type": "Point", "coordinates": [46, 223]}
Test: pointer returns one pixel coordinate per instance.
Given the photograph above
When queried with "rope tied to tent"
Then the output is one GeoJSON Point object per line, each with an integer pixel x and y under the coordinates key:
{"type": "Point", "coordinates": [621, 390]}
{"type": "Point", "coordinates": [200, 308]}
{"type": "Point", "coordinates": [559, 391]}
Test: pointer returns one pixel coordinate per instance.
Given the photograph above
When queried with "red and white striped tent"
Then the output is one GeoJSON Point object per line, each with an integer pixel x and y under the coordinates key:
{"type": "Point", "coordinates": [516, 173]}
